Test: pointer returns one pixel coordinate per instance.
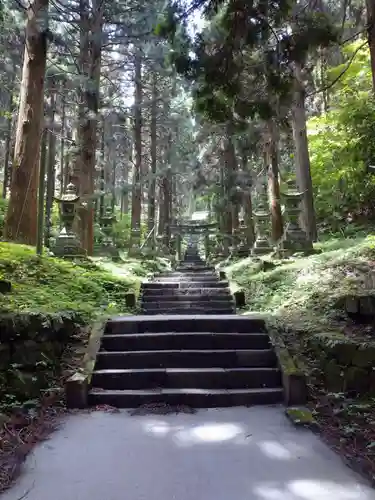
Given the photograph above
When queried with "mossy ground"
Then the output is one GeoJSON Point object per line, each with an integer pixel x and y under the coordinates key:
{"type": "Point", "coordinates": [51, 286]}
{"type": "Point", "coordinates": [304, 291]}
{"type": "Point", "coordinates": [303, 296]}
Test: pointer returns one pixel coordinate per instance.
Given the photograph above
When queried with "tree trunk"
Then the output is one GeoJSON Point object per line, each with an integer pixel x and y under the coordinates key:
{"type": "Point", "coordinates": [90, 61]}
{"type": "Point", "coordinates": [62, 139]}
{"type": "Point", "coordinates": [153, 138]}
{"type": "Point", "coordinates": [273, 181]}
{"type": "Point", "coordinates": [302, 157]}
{"type": "Point", "coordinates": [137, 188]}
{"type": "Point", "coordinates": [21, 218]}
{"type": "Point", "coordinates": [8, 139]}
{"type": "Point", "coordinates": [50, 162]}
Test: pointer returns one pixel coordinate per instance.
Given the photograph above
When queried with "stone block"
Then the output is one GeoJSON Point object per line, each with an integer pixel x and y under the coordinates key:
{"type": "Point", "coordinates": [5, 286]}
{"type": "Point", "coordinates": [367, 306]}
{"type": "Point", "coordinates": [357, 380]}
{"type": "Point", "coordinates": [76, 391]}
{"type": "Point", "coordinates": [364, 357]}
{"type": "Point", "coordinates": [352, 305]}
{"type": "Point", "coordinates": [130, 300]}
{"type": "Point", "coordinates": [240, 299]}
{"type": "Point", "coordinates": [334, 376]}
{"type": "Point", "coordinates": [222, 275]}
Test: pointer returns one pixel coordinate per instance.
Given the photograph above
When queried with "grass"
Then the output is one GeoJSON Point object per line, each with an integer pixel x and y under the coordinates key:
{"type": "Point", "coordinates": [305, 290]}
{"type": "Point", "coordinates": [47, 285]}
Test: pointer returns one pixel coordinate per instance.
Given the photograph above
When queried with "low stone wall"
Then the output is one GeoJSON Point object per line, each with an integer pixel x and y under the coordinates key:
{"type": "Point", "coordinates": [31, 351]}
{"type": "Point", "coordinates": [347, 364]}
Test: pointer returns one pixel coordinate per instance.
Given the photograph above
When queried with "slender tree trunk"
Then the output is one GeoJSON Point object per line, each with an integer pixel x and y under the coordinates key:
{"type": "Point", "coordinates": [8, 139]}
{"type": "Point", "coordinates": [153, 138]}
{"type": "Point", "coordinates": [21, 218]}
{"type": "Point", "coordinates": [137, 188]}
{"type": "Point", "coordinates": [62, 139]}
{"type": "Point", "coordinates": [50, 161]}
{"type": "Point", "coordinates": [273, 181]}
{"type": "Point", "coordinates": [302, 157]}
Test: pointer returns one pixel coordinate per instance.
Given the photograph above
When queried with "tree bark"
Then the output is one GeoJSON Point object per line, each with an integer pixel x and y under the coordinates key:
{"type": "Point", "coordinates": [21, 218]}
{"type": "Point", "coordinates": [302, 157]}
{"type": "Point", "coordinates": [137, 188]}
{"type": "Point", "coordinates": [272, 159]}
{"type": "Point", "coordinates": [50, 162]}
{"type": "Point", "coordinates": [8, 138]}
{"type": "Point", "coordinates": [153, 138]}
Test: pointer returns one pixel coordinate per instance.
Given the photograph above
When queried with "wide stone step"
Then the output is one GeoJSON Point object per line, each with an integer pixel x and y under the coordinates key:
{"type": "Point", "coordinates": [179, 341]}
{"type": "Point", "coordinates": [192, 358]}
{"type": "Point", "coordinates": [180, 323]}
{"type": "Point", "coordinates": [194, 269]}
{"type": "Point", "coordinates": [194, 279]}
{"type": "Point", "coordinates": [187, 292]}
{"type": "Point", "coordinates": [174, 378]}
{"type": "Point", "coordinates": [188, 275]}
{"type": "Point", "coordinates": [195, 398]}
{"type": "Point", "coordinates": [186, 311]}
{"type": "Point", "coordinates": [183, 285]}
{"type": "Point", "coordinates": [187, 304]}
{"type": "Point", "coordinates": [188, 297]}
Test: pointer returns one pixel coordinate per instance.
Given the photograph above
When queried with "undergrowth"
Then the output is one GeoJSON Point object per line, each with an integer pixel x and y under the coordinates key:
{"type": "Point", "coordinates": [46, 285]}
{"type": "Point", "coordinates": [305, 290]}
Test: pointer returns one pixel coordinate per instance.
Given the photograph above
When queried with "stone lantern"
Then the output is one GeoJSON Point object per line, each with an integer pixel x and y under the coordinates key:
{"type": "Point", "coordinates": [294, 238]}
{"type": "Point", "coordinates": [67, 243]}
{"type": "Point", "coordinates": [262, 225]}
{"type": "Point", "coordinates": [106, 225]}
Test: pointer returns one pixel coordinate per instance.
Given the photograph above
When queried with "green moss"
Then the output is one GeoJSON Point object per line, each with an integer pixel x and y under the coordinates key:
{"type": "Point", "coordinates": [51, 286]}
{"type": "Point", "coordinates": [306, 290]}
{"type": "Point", "coordinates": [300, 416]}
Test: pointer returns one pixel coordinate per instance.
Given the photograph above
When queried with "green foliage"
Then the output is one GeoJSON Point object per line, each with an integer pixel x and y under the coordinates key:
{"type": "Point", "coordinates": [54, 286]}
{"type": "Point", "coordinates": [307, 289]}
{"type": "Point", "coordinates": [340, 148]}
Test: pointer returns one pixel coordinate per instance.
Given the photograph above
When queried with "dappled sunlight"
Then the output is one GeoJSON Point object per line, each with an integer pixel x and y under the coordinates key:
{"type": "Point", "coordinates": [308, 489]}
{"type": "Point", "coordinates": [209, 433]}
{"type": "Point", "coordinates": [197, 434]}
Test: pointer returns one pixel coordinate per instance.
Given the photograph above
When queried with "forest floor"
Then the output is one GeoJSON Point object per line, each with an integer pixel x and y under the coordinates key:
{"type": "Point", "coordinates": [305, 297]}
{"type": "Point", "coordinates": [49, 293]}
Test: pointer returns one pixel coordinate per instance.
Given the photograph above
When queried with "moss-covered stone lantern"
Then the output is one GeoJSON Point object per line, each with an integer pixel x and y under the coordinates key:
{"type": "Point", "coordinates": [67, 243]}
{"type": "Point", "coordinates": [262, 224]}
{"type": "Point", "coordinates": [294, 238]}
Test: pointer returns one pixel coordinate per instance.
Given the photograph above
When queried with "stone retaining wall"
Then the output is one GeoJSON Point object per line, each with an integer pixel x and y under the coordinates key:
{"type": "Point", "coordinates": [31, 349]}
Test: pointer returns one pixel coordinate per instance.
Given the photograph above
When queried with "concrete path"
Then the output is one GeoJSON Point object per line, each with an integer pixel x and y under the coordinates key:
{"type": "Point", "coordinates": [221, 454]}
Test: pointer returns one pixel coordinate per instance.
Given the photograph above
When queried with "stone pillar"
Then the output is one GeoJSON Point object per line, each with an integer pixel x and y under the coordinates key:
{"type": "Point", "coordinates": [294, 237]}
{"type": "Point", "coordinates": [207, 244]}
{"type": "Point", "coordinates": [262, 226]}
{"type": "Point", "coordinates": [179, 246]}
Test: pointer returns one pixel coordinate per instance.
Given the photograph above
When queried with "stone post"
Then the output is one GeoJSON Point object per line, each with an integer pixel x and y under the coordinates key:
{"type": "Point", "coordinates": [262, 225]}
{"type": "Point", "coordinates": [207, 244]}
{"type": "Point", "coordinates": [179, 246]}
{"type": "Point", "coordinates": [67, 243]}
{"type": "Point", "coordinates": [294, 238]}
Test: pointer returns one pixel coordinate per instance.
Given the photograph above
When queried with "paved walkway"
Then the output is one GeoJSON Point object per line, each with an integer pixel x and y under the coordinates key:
{"type": "Point", "coordinates": [221, 454]}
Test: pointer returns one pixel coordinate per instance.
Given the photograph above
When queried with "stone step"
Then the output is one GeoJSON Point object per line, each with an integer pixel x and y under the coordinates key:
{"type": "Point", "coordinates": [179, 341]}
{"type": "Point", "coordinates": [186, 279]}
{"type": "Point", "coordinates": [176, 284]}
{"type": "Point", "coordinates": [194, 269]}
{"type": "Point", "coordinates": [174, 378]}
{"type": "Point", "coordinates": [187, 304]}
{"type": "Point", "coordinates": [188, 274]}
{"type": "Point", "coordinates": [195, 398]}
{"type": "Point", "coordinates": [188, 358]}
{"type": "Point", "coordinates": [193, 311]}
{"type": "Point", "coordinates": [180, 323]}
{"type": "Point", "coordinates": [187, 292]}
{"type": "Point", "coordinates": [187, 297]}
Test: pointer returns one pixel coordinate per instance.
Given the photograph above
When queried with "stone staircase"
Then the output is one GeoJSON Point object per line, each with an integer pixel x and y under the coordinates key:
{"type": "Point", "coordinates": [193, 288]}
{"type": "Point", "coordinates": [174, 354]}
